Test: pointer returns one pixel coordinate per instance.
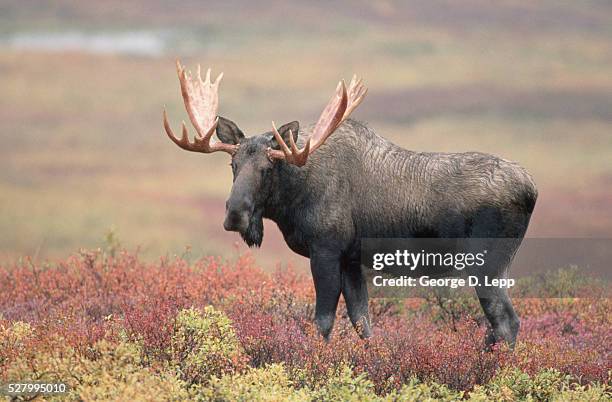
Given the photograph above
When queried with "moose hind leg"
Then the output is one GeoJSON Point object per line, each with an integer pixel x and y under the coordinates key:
{"type": "Point", "coordinates": [355, 293]}
{"type": "Point", "coordinates": [494, 300]}
{"type": "Point", "coordinates": [498, 309]}
{"type": "Point", "coordinates": [325, 267]}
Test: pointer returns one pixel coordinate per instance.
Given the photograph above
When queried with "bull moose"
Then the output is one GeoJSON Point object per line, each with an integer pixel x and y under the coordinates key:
{"type": "Point", "coordinates": [327, 192]}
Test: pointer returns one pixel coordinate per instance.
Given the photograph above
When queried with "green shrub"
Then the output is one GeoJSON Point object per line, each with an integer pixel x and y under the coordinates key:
{"type": "Point", "coordinates": [343, 385]}
{"type": "Point", "coordinates": [547, 385]}
{"type": "Point", "coordinates": [204, 344]}
{"type": "Point", "coordinates": [17, 331]}
{"type": "Point", "coordinates": [256, 384]}
{"type": "Point", "coordinates": [13, 339]}
{"type": "Point", "coordinates": [415, 390]}
{"type": "Point", "coordinates": [49, 366]}
{"type": "Point", "coordinates": [272, 383]}
{"type": "Point", "coordinates": [111, 372]}
{"type": "Point", "coordinates": [582, 393]}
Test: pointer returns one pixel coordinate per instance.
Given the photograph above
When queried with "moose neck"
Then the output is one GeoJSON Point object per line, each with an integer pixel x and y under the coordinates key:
{"type": "Point", "coordinates": [287, 195]}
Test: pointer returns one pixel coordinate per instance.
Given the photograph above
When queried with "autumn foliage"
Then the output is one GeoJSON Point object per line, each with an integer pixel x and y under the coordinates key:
{"type": "Point", "coordinates": [229, 330]}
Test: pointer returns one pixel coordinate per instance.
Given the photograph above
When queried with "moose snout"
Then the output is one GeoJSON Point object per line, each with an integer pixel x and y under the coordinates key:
{"type": "Point", "coordinates": [237, 218]}
{"type": "Point", "coordinates": [236, 222]}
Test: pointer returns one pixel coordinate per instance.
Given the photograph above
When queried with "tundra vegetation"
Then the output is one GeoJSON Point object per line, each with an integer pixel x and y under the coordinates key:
{"type": "Point", "coordinates": [114, 327]}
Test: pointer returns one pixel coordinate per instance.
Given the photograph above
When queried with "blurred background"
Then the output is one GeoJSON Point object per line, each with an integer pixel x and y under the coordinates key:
{"type": "Point", "coordinates": [83, 156]}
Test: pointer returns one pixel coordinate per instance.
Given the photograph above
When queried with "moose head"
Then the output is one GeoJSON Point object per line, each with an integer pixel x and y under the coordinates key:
{"type": "Point", "coordinates": [255, 160]}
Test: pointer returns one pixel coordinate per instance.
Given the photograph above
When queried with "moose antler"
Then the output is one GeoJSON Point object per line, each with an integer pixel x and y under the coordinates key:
{"type": "Point", "coordinates": [340, 106]}
{"type": "Point", "coordinates": [201, 100]}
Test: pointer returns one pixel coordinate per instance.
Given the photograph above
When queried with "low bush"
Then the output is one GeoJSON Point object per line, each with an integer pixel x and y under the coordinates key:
{"type": "Point", "coordinates": [110, 372]}
{"type": "Point", "coordinates": [547, 385]}
{"type": "Point", "coordinates": [269, 383]}
{"type": "Point", "coordinates": [204, 344]}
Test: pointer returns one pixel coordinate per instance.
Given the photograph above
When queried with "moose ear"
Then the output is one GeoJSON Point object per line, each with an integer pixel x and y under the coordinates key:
{"type": "Point", "coordinates": [284, 131]}
{"type": "Point", "coordinates": [228, 132]}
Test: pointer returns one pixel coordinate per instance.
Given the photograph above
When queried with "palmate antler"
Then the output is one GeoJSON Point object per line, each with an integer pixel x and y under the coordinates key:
{"type": "Point", "coordinates": [340, 106]}
{"type": "Point", "coordinates": [201, 100]}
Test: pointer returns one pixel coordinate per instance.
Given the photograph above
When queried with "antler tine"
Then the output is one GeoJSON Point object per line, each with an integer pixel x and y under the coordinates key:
{"type": "Point", "coordinates": [279, 140]}
{"type": "Point", "coordinates": [356, 92]}
{"type": "Point", "coordinates": [218, 80]}
{"type": "Point", "coordinates": [207, 76]}
{"type": "Point", "coordinates": [353, 82]}
{"type": "Point", "coordinates": [184, 137]}
{"type": "Point", "coordinates": [199, 144]}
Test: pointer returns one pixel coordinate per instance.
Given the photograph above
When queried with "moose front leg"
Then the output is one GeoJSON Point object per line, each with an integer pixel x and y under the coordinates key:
{"type": "Point", "coordinates": [325, 267]}
{"type": "Point", "coordinates": [355, 293]}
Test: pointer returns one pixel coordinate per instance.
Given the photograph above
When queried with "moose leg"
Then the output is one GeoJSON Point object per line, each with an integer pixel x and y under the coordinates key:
{"type": "Point", "coordinates": [355, 293]}
{"type": "Point", "coordinates": [500, 314]}
{"type": "Point", "coordinates": [325, 267]}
